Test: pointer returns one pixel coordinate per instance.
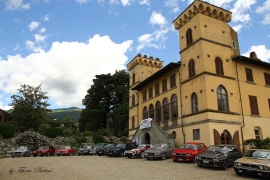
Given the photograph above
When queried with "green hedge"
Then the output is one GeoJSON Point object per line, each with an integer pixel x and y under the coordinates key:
{"type": "Point", "coordinates": [53, 132]}
{"type": "Point", "coordinates": [7, 130]}
{"type": "Point", "coordinates": [258, 143]}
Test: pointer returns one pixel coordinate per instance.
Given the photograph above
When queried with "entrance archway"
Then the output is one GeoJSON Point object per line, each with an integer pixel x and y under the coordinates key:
{"type": "Point", "coordinates": [146, 138]}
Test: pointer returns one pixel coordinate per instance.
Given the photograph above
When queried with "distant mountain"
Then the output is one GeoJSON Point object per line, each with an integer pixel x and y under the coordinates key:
{"type": "Point", "coordinates": [73, 113]}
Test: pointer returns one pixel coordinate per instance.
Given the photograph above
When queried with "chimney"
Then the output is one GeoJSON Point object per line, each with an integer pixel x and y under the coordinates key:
{"type": "Point", "coordinates": [253, 55]}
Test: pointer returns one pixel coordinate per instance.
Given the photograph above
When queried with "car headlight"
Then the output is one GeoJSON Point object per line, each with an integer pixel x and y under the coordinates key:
{"type": "Point", "coordinates": [237, 164]}
{"type": "Point", "coordinates": [215, 159]}
{"type": "Point", "coordinates": [187, 154]}
{"type": "Point", "coordinates": [261, 167]}
{"type": "Point", "coordinates": [265, 168]}
{"type": "Point", "coordinates": [146, 153]}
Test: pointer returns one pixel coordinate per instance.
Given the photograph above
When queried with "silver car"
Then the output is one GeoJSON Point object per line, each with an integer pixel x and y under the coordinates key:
{"type": "Point", "coordinates": [160, 151]}
{"type": "Point", "coordinates": [21, 151]}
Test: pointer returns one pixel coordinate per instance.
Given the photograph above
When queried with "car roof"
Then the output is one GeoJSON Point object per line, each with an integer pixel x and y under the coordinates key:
{"type": "Point", "coordinates": [192, 143]}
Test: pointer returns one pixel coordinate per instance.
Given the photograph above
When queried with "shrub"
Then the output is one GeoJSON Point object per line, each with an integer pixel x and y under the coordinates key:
{"type": "Point", "coordinates": [98, 139]}
{"type": "Point", "coordinates": [104, 132]}
{"type": "Point", "coordinates": [7, 130]}
{"type": "Point", "coordinates": [258, 143]}
{"type": "Point", "coordinates": [53, 132]}
{"type": "Point", "coordinates": [87, 133]}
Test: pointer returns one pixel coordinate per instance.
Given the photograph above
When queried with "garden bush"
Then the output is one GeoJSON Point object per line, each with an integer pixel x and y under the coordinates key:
{"type": "Point", "coordinates": [53, 132]}
{"type": "Point", "coordinates": [87, 133]}
{"type": "Point", "coordinates": [7, 130]}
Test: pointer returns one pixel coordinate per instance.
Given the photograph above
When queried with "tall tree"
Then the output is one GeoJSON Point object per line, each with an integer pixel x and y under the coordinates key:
{"type": "Point", "coordinates": [105, 96]}
{"type": "Point", "coordinates": [30, 106]}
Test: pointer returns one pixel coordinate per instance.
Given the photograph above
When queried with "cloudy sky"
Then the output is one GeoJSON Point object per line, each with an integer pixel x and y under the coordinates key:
{"type": "Point", "coordinates": [63, 44]}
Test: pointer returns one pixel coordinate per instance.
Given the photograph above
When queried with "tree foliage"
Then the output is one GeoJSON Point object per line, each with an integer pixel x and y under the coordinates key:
{"type": "Point", "coordinates": [29, 106]}
{"type": "Point", "coordinates": [7, 130]}
{"type": "Point", "coordinates": [106, 103]}
{"type": "Point", "coordinates": [258, 143]}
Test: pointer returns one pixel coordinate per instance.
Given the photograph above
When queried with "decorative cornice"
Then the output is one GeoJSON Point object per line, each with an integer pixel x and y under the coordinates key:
{"type": "Point", "coordinates": [144, 60]}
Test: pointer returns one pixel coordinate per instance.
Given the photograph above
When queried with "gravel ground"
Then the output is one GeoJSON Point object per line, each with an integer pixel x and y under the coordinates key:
{"type": "Point", "coordinates": [103, 167]}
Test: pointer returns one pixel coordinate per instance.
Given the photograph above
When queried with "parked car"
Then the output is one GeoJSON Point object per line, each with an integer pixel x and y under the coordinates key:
{"type": "Point", "coordinates": [96, 148]}
{"type": "Point", "coordinates": [44, 151]}
{"type": "Point", "coordinates": [188, 151]}
{"type": "Point", "coordinates": [104, 149]}
{"type": "Point", "coordinates": [255, 162]}
{"type": "Point", "coordinates": [160, 150]}
{"type": "Point", "coordinates": [21, 151]}
{"type": "Point", "coordinates": [220, 156]}
{"type": "Point", "coordinates": [66, 151]}
{"type": "Point", "coordinates": [85, 150]}
{"type": "Point", "coordinates": [119, 149]}
{"type": "Point", "coordinates": [138, 151]}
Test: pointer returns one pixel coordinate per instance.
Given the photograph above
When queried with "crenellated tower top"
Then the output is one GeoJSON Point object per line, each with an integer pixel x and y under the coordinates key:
{"type": "Point", "coordinates": [202, 7]}
{"type": "Point", "coordinates": [144, 60]}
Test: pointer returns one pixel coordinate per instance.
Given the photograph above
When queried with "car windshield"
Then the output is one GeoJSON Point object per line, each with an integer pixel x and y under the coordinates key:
{"type": "Point", "coordinates": [160, 146]}
{"type": "Point", "coordinates": [258, 154]}
{"type": "Point", "coordinates": [99, 145]}
{"type": "Point", "coordinates": [86, 147]}
{"type": "Point", "coordinates": [65, 147]}
{"type": "Point", "coordinates": [43, 147]}
{"type": "Point", "coordinates": [188, 146]}
{"type": "Point", "coordinates": [21, 148]}
{"type": "Point", "coordinates": [109, 146]}
{"type": "Point", "coordinates": [120, 145]}
{"type": "Point", "coordinates": [218, 149]}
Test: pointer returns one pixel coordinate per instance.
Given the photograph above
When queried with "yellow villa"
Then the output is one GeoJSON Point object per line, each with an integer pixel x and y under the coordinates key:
{"type": "Point", "coordinates": [213, 95]}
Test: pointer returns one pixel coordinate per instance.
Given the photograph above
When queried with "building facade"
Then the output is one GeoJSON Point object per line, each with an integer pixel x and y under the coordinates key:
{"type": "Point", "coordinates": [213, 95]}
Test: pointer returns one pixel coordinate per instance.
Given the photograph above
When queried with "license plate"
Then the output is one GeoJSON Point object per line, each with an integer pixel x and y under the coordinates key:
{"type": "Point", "coordinates": [206, 162]}
{"type": "Point", "coordinates": [180, 159]}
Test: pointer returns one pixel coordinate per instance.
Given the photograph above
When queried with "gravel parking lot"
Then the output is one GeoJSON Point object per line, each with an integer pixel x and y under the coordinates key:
{"type": "Point", "coordinates": [103, 167]}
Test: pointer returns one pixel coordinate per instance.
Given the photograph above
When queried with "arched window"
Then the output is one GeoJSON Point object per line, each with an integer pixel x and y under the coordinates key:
{"type": "Point", "coordinates": [219, 66]}
{"type": "Point", "coordinates": [258, 132]}
{"type": "Point", "coordinates": [222, 99]}
{"type": "Point", "coordinates": [174, 107]}
{"type": "Point", "coordinates": [151, 111]}
{"type": "Point", "coordinates": [158, 112]}
{"type": "Point", "coordinates": [133, 100]}
{"type": "Point", "coordinates": [145, 113]}
{"type": "Point", "coordinates": [133, 123]}
{"type": "Point", "coordinates": [189, 37]}
{"type": "Point", "coordinates": [226, 137]}
{"type": "Point", "coordinates": [166, 113]}
{"type": "Point", "coordinates": [133, 78]}
{"type": "Point", "coordinates": [191, 68]}
{"type": "Point", "coordinates": [194, 103]}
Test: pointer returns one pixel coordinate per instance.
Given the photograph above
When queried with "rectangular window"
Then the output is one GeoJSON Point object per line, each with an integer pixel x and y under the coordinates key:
{"type": "Point", "coordinates": [269, 104]}
{"type": "Point", "coordinates": [172, 81]}
{"type": "Point", "coordinates": [253, 105]}
{"type": "Point", "coordinates": [267, 79]}
{"type": "Point", "coordinates": [234, 45]}
{"type": "Point", "coordinates": [157, 89]}
{"type": "Point", "coordinates": [150, 91]}
{"type": "Point", "coordinates": [196, 134]}
{"type": "Point", "coordinates": [249, 75]}
{"type": "Point", "coordinates": [164, 85]}
{"type": "Point", "coordinates": [144, 95]}
{"type": "Point", "coordinates": [257, 133]}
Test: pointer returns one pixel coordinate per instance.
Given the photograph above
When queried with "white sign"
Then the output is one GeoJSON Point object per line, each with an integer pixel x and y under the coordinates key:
{"type": "Point", "coordinates": [146, 123]}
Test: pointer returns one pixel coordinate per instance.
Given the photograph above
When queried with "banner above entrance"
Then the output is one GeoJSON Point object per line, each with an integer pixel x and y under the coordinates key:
{"type": "Point", "coordinates": [146, 123]}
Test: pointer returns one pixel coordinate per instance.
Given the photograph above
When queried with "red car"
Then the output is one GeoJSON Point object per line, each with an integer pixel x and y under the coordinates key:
{"type": "Point", "coordinates": [138, 151]}
{"type": "Point", "coordinates": [188, 151]}
{"type": "Point", "coordinates": [44, 150]}
{"type": "Point", "coordinates": [66, 151]}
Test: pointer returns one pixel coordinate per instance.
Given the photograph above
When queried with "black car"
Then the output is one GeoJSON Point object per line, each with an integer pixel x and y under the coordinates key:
{"type": "Point", "coordinates": [119, 149]}
{"type": "Point", "coordinates": [221, 156]}
{"type": "Point", "coordinates": [85, 150]}
{"type": "Point", "coordinates": [104, 149]}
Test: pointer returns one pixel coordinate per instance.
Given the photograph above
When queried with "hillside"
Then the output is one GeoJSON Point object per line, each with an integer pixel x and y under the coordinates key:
{"type": "Point", "coordinates": [60, 114]}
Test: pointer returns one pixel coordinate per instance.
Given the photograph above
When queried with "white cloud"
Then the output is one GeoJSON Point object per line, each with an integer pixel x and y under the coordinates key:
{"type": "Point", "coordinates": [261, 51]}
{"type": "Point", "coordinates": [157, 18]}
{"type": "Point", "coordinates": [113, 2]}
{"type": "Point", "coordinates": [237, 27]}
{"type": "Point", "coordinates": [172, 4]}
{"type": "Point", "coordinates": [16, 47]}
{"type": "Point", "coordinates": [66, 70]}
{"type": "Point", "coordinates": [42, 30]}
{"type": "Point", "coordinates": [39, 37]}
{"type": "Point", "coordinates": [125, 2]}
{"type": "Point", "coordinates": [265, 10]}
{"type": "Point", "coordinates": [33, 25]}
{"type": "Point", "coordinates": [16, 5]}
{"type": "Point", "coordinates": [145, 2]}
{"type": "Point", "coordinates": [82, 1]}
{"type": "Point", "coordinates": [46, 17]}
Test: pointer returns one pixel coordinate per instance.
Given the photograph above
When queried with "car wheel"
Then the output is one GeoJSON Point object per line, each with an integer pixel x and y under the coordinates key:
{"type": "Point", "coordinates": [41, 155]}
{"type": "Point", "coordinates": [163, 157]}
{"type": "Point", "coordinates": [110, 155]}
{"type": "Point", "coordinates": [35, 155]}
{"type": "Point", "coordinates": [73, 154]}
{"type": "Point", "coordinates": [224, 165]}
{"type": "Point", "coordinates": [13, 156]}
{"type": "Point", "coordinates": [129, 156]}
{"type": "Point", "coordinates": [174, 160]}
{"type": "Point", "coordinates": [57, 154]}
{"type": "Point", "coordinates": [199, 165]}
{"type": "Point", "coordinates": [99, 154]}
{"type": "Point", "coordinates": [238, 173]}
{"type": "Point", "coordinates": [148, 158]}
{"type": "Point", "coordinates": [79, 154]}
{"type": "Point", "coordinates": [142, 154]}
{"type": "Point", "coordinates": [68, 154]}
